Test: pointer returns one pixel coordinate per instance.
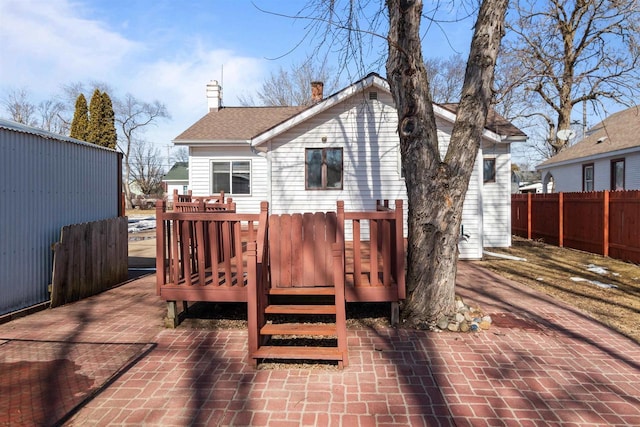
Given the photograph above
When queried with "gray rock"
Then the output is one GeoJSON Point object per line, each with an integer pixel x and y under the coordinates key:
{"type": "Point", "coordinates": [443, 323]}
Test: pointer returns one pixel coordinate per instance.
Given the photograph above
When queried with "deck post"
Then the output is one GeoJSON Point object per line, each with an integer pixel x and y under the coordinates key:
{"type": "Point", "coordinates": [171, 321]}
{"type": "Point", "coordinates": [161, 252]}
{"type": "Point", "coordinates": [252, 301]}
{"type": "Point", "coordinates": [400, 253]}
{"type": "Point", "coordinates": [395, 313]}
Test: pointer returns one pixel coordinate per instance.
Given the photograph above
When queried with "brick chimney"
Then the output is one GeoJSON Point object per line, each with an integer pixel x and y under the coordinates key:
{"type": "Point", "coordinates": [214, 95]}
{"type": "Point", "coordinates": [316, 92]}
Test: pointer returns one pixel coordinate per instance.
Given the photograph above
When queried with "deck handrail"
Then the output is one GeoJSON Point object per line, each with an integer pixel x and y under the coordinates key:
{"type": "Point", "coordinates": [203, 247]}
{"type": "Point", "coordinates": [386, 238]}
{"type": "Point", "coordinates": [257, 283]}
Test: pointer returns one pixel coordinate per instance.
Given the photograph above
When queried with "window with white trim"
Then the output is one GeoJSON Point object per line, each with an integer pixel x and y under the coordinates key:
{"type": "Point", "coordinates": [233, 177]}
{"type": "Point", "coordinates": [587, 177]}
{"type": "Point", "coordinates": [489, 169]}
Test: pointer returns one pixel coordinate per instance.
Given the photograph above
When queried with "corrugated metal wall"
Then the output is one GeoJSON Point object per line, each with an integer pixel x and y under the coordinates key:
{"type": "Point", "coordinates": [46, 181]}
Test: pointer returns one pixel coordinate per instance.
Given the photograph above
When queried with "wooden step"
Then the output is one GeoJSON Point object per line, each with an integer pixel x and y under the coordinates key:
{"type": "Point", "coordinates": [320, 290]}
{"type": "Point", "coordinates": [297, 352]}
{"type": "Point", "coordinates": [316, 329]}
{"type": "Point", "coordinates": [300, 309]}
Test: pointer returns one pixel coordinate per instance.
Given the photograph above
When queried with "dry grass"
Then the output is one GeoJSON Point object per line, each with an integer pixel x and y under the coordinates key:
{"type": "Point", "coordinates": [139, 212]}
{"type": "Point", "coordinates": [549, 269]}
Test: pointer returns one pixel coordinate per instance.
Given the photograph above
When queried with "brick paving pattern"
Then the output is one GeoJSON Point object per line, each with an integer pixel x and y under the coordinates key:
{"type": "Point", "coordinates": [542, 364]}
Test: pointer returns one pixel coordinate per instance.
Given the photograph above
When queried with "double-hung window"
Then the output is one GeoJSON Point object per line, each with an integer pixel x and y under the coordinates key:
{"type": "Point", "coordinates": [323, 168]}
{"type": "Point", "coordinates": [232, 177]}
{"type": "Point", "coordinates": [587, 177]}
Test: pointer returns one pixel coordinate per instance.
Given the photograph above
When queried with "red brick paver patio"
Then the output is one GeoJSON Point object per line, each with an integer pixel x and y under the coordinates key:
{"type": "Point", "coordinates": [542, 364]}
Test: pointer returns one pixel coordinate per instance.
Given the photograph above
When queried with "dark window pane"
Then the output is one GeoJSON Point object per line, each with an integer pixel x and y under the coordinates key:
{"type": "Point", "coordinates": [314, 168]}
{"type": "Point", "coordinates": [617, 173]}
{"type": "Point", "coordinates": [334, 168]}
{"type": "Point", "coordinates": [221, 181]}
{"type": "Point", "coordinates": [489, 170]}
{"type": "Point", "coordinates": [241, 178]}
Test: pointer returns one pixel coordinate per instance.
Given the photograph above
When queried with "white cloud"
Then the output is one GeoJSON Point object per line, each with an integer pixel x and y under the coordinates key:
{"type": "Point", "coordinates": [47, 44]}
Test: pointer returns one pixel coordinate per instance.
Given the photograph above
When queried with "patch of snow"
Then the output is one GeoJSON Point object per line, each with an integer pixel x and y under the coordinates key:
{"type": "Point", "coordinates": [505, 256]}
{"type": "Point", "coordinates": [594, 282]}
{"type": "Point", "coordinates": [540, 279]}
{"type": "Point", "coordinates": [141, 224]}
{"type": "Point", "coordinates": [597, 269]}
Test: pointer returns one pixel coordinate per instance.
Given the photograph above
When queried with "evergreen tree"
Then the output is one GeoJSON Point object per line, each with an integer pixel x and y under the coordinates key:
{"type": "Point", "coordinates": [102, 128]}
{"type": "Point", "coordinates": [109, 137]}
{"type": "Point", "coordinates": [95, 118]}
{"type": "Point", "coordinates": [80, 122]}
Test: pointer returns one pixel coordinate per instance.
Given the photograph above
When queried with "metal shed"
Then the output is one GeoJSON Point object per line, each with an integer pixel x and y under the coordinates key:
{"type": "Point", "coordinates": [47, 181]}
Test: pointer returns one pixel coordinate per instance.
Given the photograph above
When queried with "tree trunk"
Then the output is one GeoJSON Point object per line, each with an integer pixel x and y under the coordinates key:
{"type": "Point", "coordinates": [436, 188]}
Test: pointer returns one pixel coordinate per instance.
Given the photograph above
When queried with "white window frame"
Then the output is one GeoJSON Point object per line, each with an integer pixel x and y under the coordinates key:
{"type": "Point", "coordinates": [230, 162]}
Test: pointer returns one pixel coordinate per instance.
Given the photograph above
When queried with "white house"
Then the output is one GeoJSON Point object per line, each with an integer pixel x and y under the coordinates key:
{"type": "Point", "coordinates": [608, 158]}
{"type": "Point", "coordinates": [342, 147]}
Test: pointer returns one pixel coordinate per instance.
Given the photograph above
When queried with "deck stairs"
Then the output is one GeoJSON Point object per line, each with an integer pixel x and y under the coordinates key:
{"type": "Point", "coordinates": [304, 324]}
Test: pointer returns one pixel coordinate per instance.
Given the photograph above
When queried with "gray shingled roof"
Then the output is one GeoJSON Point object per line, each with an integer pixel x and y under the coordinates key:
{"type": "Point", "coordinates": [617, 132]}
{"type": "Point", "coordinates": [495, 122]}
{"type": "Point", "coordinates": [237, 123]}
{"type": "Point", "coordinates": [245, 123]}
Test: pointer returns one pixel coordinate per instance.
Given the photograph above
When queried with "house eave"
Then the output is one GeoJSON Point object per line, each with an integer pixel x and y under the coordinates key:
{"type": "Point", "coordinates": [211, 142]}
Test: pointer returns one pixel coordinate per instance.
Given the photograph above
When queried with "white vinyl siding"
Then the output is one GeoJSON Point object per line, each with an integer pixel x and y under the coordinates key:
{"type": "Point", "coordinates": [496, 199]}
{"type": "Point", "coordinates": [366, 131]}
{"type": "Point", "coordinates": [200, 173]}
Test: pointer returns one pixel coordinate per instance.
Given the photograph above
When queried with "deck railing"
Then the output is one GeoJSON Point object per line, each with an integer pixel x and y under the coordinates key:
{"type": "Point", "coordinates": [203, 255]}
{"type": "Point", "coordinates": [375, 267]}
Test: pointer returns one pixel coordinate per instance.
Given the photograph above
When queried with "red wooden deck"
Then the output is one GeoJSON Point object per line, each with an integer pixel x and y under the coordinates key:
{"type": "Point", "coordinates": [208, 252]}
{"type": "Point", "coordinates": [191, 241]}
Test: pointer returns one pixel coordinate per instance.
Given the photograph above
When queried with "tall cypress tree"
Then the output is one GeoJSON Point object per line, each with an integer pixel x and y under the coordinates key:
{"type": "Point", "coordinates": [80, 122]}
{"type": "Point", "coordinates": [95, 118]}
{"type": "Point", "coordinates": [109, 137]}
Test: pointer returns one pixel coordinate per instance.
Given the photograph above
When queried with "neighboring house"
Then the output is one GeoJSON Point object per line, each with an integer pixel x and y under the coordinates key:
{"type": "Point", "coordinates": [177, 178]}
{"type": "Point", "coordinates": [343, 147]}
{"type": "Point", "coordinates": [607, 159]}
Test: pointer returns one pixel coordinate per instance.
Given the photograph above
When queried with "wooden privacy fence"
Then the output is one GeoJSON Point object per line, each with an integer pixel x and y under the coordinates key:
{"type": "Point", "coordinates": [90, 258]}
{"type": "Point", "coordinates": [605, 223]}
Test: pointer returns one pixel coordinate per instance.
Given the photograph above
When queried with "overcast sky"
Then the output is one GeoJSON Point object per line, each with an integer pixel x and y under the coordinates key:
{"type": "Point", "coordinates": [162, 49]}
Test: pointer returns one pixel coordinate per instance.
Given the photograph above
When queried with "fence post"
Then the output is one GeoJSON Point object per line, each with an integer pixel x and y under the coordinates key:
{"type": "Point", "coordinates": [561, 220]}
{"type": "Point", "coordinates": [528, 215]}
{"type": "Point", "coordinates": [605, 218]}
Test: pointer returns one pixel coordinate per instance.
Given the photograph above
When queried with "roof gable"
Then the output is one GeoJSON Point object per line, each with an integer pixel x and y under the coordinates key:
{"type": "Point", "coordinates": [617, 132]}
{"type": "Point", "coordinates": [260, 124]}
